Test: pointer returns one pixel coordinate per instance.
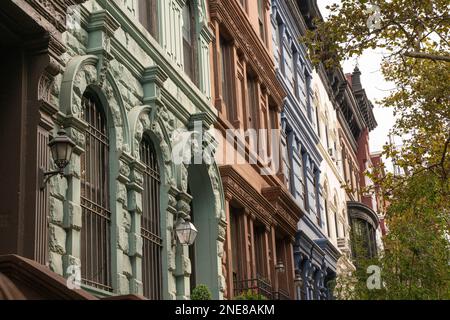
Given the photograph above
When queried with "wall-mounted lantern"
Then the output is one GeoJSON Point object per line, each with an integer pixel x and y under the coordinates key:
{"type": "Point", "coordinates": [61, 148]}
{"type": "Point", "coordinates": [298, 283]}
{"type": "Point", "coordinates": [279, 267]}
{"type": "Point", "coordinates": [186, 231]}
{"type": "Point", "coordinates": [298, 280]}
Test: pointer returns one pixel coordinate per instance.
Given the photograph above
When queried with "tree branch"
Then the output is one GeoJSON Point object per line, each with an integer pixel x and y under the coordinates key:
{"type": "Point", "coordinates": [423, 55]}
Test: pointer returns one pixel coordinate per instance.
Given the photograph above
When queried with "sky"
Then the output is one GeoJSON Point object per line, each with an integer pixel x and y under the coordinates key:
{"type": "Point", "coordinates": [374, 84]}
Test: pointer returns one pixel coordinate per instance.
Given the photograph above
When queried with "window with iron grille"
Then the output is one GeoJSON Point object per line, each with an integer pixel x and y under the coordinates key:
{"type": "Point", "coordinates": [150, 223]}
{"type": "Point", "coordinates": [96, 215]}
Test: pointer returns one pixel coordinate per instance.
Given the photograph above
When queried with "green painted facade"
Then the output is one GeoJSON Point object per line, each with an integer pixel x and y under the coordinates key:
{"type": "Point", "coordinates": [143, 89]}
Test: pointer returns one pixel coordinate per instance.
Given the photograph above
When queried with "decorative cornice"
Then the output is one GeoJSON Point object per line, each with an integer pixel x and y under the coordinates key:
{"type": "Point", "coordinates": [54, 11]}
{"type": "Point", "coordinates": [154, 74]}
{"type": "Point", "coordinates": [286, 207]}
{"type": "Point", "coordinates": [246, 195]}
{"type": "Point", "coordinates": [102, 21]}
{"type": "Point", "coordinates": [361, 211]}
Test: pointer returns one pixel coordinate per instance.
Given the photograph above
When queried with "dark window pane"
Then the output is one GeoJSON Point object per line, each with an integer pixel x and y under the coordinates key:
{"type": "Point", "coordinates": [189, 43]}
{"type": "Point", "coordinates": [148, 16]}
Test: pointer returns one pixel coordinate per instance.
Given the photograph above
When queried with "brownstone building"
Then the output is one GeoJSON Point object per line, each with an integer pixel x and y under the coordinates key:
{"type": "Point", "coordinates": [262, 216]}
{"type": "Point", "coordinates": [31, 55]}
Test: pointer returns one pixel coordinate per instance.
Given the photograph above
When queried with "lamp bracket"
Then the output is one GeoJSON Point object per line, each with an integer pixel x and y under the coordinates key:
{"type": "Point", "coordinates": [44, 176]}
{"type": "Point", "coordinates": [174, 232]}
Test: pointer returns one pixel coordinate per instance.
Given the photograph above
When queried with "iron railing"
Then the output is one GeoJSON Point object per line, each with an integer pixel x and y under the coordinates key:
{"type": "Point", "coordinates": [257, 285]}
{"type": "Point", "coordinates": [281, 295]}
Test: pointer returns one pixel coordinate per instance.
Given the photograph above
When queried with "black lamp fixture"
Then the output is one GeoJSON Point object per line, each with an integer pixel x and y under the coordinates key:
{"type": "Point", "coordinates": [61, 148]}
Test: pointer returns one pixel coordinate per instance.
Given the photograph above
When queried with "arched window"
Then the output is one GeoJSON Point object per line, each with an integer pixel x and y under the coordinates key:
{"type": "Point", "coordinates": [189, 42]}
{"type": "Point", "coordinates": [148, 16]}
{"type": "Point", "coordinates": [151, 223]}
{"type": "Point", "coordinates": [95, 233]}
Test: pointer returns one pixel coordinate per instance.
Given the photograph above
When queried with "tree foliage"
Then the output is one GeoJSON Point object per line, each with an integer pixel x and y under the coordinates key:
{"type": "Point", "coordinates": [414, 34]}
{"type": "Point", "coordinates": [414, 262]}
{"type": "Point", "coordinates": [406, 28]}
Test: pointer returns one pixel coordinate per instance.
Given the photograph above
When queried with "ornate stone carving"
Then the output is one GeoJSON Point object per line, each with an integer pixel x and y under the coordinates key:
{"type": "Point", "coordinates": [54, 11]}
{"type": "Point", "coordinates": [147, 119]}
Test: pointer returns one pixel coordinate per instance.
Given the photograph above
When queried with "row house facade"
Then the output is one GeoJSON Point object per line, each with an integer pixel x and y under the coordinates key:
{"type": "Point", "coordinates": [308, 129]}
{"type": "Point", "coordinates": [261, 216]}
{"type": "Point", "coordinates": [337, 224]}
{"type": "Point", "coordinates": [356, 120]}
{"type": "Point", "coordinates": [127, 81]}
{"type": "Point", "coordinates": [122, 78]}
{"type": "Point", "coordinates": [344, 119]}
{"type": "Point", "coordinates": [367, 232]}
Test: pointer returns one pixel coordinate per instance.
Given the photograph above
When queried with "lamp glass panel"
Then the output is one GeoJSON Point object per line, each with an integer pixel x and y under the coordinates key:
{"type": "Point", "coordinates": [186, 233]}
{"type": "Point", "coordinates": [192, 234]}
{"type": "Point", "coordinates": [69, 152]}
{"type": "Point", "coordinates": [61, 150]}
{"type": "Point", "coordinates": [54, 150]}
{"type": "Point", "coordinates": [182, 236]}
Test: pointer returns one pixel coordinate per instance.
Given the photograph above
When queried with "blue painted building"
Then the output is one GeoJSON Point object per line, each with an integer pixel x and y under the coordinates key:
{"type": "Point", "coordinates": [314, 255]}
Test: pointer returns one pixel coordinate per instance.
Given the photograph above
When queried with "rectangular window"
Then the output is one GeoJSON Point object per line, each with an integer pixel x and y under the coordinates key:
{"type": "Point", "coordinates": [315, 203]}
{"type": "Point", "coordinates": [237, 244]}
{"type": "Point", "coordinates": [336, 225]}
{"type": "Point", "coordinates": [252, 103]}
{"type": "Point", "coordinates": [327, 137]}
{"type": "Point", "coordinates": [148, 16]}
{"type": "Point", "coordinates": [308, 95]}
{"type": "Point", "coordinates": [273, 117]}
{"type": "Point", "coordinates": [243, 4]}
{"type": "Point", "coordinates": [317, 120]}
{"type": "Point", "coordinates": [344, 165]}
{"type": "Point", "coordinates": [299, 177]}
{"type": "Point", "coordinates": [189, 42]}
{"type": "Point", "coordinates": [327, 218]}
{"type": "Point", "coordinates": [261, 20]}
{"type": "Point", "coordinates": [295, 74]}
{"type": "Point", "coordinates": [278, 38]}
{"type": "Point", "coordinates": [289, 65]}
{"type": "Point", "coordinates": [287, 160]}
{"type": "Point", "coordinates": [226, 73]}
{"type": "Point", "coordinates": [260, 256]}
{"type": "Point", "coordinates": [241, 98]}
